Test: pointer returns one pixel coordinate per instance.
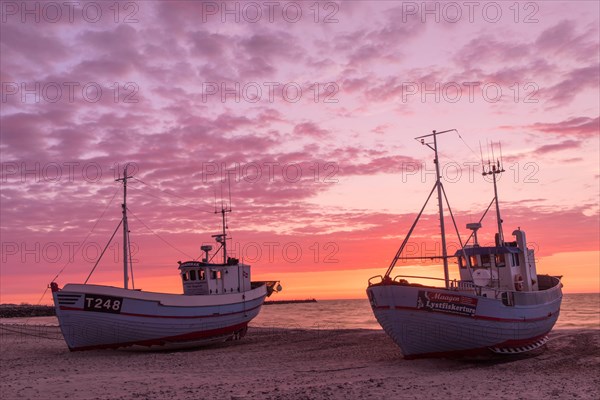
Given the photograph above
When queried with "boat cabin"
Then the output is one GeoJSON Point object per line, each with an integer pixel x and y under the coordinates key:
{"type": "Point", "coordinates": [202, 278]}
{"type": "Point", "coordinates": [508, 265]}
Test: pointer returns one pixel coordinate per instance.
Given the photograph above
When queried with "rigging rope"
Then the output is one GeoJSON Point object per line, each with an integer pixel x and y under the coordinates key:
{"type": "Point", "coordinates": [101, 254]}
{"type": "Point", "coordinates": [21, 332]}
{"type": "Point", "coordinates": [466, 144]}
{"type": "Point", "coordinates": [158, 236]}
{"type": "Point", "coordinates": [170, 194]}
{"type": "Point", "coordinates": [81, 245]}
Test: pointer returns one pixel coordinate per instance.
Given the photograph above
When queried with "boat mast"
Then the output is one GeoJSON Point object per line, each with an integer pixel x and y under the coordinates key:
{"type": "Point", "coordinates": [125, 228]}
{"type": "Point", "coordinates": [224, 235]}
{"type": "Point", "coordinates": [438, 184]}
{"type": "Point", "coordinates": [441, 209]}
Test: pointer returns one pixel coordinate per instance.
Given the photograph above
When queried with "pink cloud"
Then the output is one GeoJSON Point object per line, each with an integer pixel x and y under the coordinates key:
{"type": "Point", "coordinates": [575, 126]}
{"type": "Point", "coordinates": [573, 83]}
{"type": "Point", "coordinates": [176, 137]}
{"type": "Point", "coordinates": [309, 129]}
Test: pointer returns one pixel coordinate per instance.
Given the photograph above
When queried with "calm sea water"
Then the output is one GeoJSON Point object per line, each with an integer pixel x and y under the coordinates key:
{"type": "Point", "coordinates": [577, 311]}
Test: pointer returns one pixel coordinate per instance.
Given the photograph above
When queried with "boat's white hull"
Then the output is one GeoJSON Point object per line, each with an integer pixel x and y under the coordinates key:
{"type": "Point", "coordinates": [431, 322]}
{"type": "Point", "coordinates": [94, 316]}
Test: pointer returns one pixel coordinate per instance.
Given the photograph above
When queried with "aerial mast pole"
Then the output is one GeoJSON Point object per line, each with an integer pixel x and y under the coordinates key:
{"type": "Point", "coordinates": [495, 168]}
{"type": "Point", "coordinates": [438, 183]}
{"type": "Point", "coordinates": [125, 229]}
{"type": "Point", "coordinates": [224, 236]}
{"type": "Point", "coordinates": [441, 210]}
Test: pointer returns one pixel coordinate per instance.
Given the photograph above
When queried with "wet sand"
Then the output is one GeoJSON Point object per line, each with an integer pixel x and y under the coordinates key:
{"type": "Point", "coordinates": [291, 364]}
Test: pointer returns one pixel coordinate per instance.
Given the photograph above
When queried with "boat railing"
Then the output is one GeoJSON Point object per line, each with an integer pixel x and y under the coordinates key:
{"type": "Point", "coordinates": [540, 296]}
{"type": "Point", "coordinates": [462, 285]}
{"type": "Point", "coordinates": [508, 297]}
{"type": "Point", "coordinates": [373, 277]}
{"type": "Point", "coordinates": [417, 277]}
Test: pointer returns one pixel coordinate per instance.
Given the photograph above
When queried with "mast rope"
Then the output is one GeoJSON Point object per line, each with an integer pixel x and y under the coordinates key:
{"type": "Point", "coordinates": [481, 219]}
{"type": "Point", "coordinates": [167, 193]}
{"type": "Point", "coordinates": [462, 247]}
{"type": "Point", "coordinates": [81, 245]}
{"type": "Point", "coordinates": [466, 144]}
{"type": "Point", "coordinates": [399, 253]}
{"type": "Point", "coordinates": [158, 236]}
{"type": "Point", "coordinates": [103, 251]}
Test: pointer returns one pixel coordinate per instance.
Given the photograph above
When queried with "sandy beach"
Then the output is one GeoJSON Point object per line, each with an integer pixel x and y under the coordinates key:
{"type": "Point", "coordinates": [291, 364]}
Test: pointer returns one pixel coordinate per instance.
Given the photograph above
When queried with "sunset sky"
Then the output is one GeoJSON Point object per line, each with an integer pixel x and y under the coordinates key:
{"type": "Point", "coordinates": [310, 108]}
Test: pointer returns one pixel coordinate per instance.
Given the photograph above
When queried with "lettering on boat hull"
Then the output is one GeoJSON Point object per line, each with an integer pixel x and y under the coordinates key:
{"type": "Point", "coordinates": [100, 303]}
{"type": "Point", "coordinates": [446, 303]}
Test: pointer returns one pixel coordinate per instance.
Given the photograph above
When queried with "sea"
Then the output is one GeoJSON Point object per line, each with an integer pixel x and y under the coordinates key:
{"type": "Point", "coordinates": [578, 311]}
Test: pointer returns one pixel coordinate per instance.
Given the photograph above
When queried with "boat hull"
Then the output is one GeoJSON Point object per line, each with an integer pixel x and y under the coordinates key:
{"type": "Point", "coordinates": [95, 316]}
{"type": "Point", "coordinates": [435, 322]}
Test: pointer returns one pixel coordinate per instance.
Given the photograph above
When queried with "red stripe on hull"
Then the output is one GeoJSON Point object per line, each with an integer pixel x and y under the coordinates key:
{"type": "Point", "coordinates": [187, 337]}
{"type": "Point", "coordinates": [483, 317]}
{"type": "Point", "coordinates": [168, 316]}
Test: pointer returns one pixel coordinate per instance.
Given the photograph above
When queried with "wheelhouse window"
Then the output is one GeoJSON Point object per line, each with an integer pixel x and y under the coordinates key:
{"type": "Point", "coordinates": [515, 259]}
{"type": "Point", "coordinates": [486, 260]}
{"type": "Point", "coordinates": [193, 275]}
{"type": "Point", "coordinates": [185, 276]}
{"type": "Point", "coordinates": [215, 274]}
{"type": "Point", "coordinates": [474, 263]}
{"type": "Point", "coordinates": [500, 262]}
{"type": "Point", "coordinates": [201, 275]}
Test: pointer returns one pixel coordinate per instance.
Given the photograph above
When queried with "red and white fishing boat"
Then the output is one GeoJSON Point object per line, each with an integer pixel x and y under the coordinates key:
{"type": "Point", "coordinates": [499, 304]}
{"type": "Point", "coordinates": [218, 302]}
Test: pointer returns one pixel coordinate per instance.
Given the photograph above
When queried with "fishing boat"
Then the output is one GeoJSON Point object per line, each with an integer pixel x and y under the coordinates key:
{"type": "Point", "coordinates": [497, 304]}
{"type": "Point", "coordinates": [218, 301]}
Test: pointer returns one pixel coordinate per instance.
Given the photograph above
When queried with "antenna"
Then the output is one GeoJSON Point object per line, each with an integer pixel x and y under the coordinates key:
{"type": "Point", "coordinates": [500, 145]}
{"type": "Point", "coordinates": [229, 182]}
{"type": "Point", "coordinates": [495, 168]}
{"type": "Point", "coordinates": [482, 164]}
{"type": "Point", "coordinates": [215, 192]}
{"type": "Point", "coordinates": [222, 237]}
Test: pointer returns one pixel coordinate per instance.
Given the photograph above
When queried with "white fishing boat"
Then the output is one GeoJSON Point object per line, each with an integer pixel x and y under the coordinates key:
{"type": "Point", "coordinates": [218, 302]}
{"type": "Point", "coordinates": [497, 304]}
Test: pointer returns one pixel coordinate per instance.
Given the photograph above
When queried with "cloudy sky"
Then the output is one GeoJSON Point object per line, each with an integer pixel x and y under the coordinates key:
{"type": "Point", "coordinates": [306, 112]}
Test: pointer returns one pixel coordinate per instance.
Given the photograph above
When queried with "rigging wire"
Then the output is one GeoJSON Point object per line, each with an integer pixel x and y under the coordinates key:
{"type": "Point", "coordinates": [21, 332]}
{"type": "Point", "coordinates": [481, 219]}
{"type": "Point", "coordinates": [160, 237]}
{"type": "Point", "coordinates": [466, 144]}
{"type": "Point", "coordinates": [81, 245]}
{"type": "Point", "coordinates": [103, 251]}
{"type": "Point", "coordinates": [170, 194]}
{"type": "Point", "coordinates": [130, 260]}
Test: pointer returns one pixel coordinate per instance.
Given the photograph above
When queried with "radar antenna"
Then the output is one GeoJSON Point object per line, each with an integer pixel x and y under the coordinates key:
{"type": "Point", "coordinates": [494, 168]}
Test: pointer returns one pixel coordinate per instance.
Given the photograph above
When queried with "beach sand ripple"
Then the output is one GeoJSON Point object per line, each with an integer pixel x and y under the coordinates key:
{"type": "Point", "coordinates": [292, 364]}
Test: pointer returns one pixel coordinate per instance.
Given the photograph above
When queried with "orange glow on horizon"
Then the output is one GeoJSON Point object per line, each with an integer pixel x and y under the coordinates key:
{"type": "Point", "coordinates": [580, 271]}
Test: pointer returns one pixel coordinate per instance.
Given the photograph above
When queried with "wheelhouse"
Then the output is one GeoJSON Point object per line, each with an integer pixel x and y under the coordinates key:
{"type": "Point", "coordinates": [201, 278]}
{"type": "Point", "coordinates": [510, 266]}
